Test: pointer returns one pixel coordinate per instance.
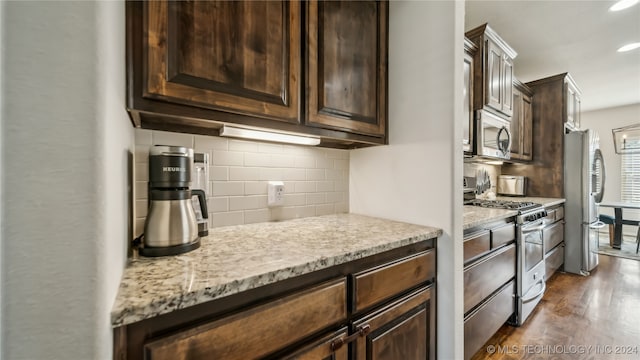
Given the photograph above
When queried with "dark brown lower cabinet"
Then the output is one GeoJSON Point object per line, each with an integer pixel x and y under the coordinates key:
{"type": "Point", "coordinates": [402, 330]}
{"type": "Point", "coordinates": [489, 281]}
{"type": "Point", "coordinates": [322, 349]}
{"type": "Point", "coordinates": [379, 307]}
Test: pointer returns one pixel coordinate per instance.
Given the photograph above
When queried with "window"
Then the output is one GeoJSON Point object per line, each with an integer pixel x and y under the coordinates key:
{"type": "Point", "coordinates": [630, 177]}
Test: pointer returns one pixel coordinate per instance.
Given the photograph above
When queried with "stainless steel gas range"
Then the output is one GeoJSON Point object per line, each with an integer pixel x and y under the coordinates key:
{"type": "Point", "coordinates": [530, 272]}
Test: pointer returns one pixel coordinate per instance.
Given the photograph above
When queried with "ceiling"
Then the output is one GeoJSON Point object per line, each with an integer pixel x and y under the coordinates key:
{"type": "Point", "coordinates": [579, 37]}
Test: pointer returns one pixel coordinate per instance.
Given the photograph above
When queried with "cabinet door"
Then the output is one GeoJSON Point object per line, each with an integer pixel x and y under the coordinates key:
{"type": "Point", "coordinates": [507, 85]}
{"type": "Point", "coordinates": [493, 76]}
{"type": "Point", "coordinates": [403, 330]}
{"type": "Point", "coordinates": [467, 109]}
{"type": "Point", "coordinates": [516, 125]}
{"type": "Point", "coordinates": [235, 56]}
{"type": "Point", "coordinates": [527, 128]}
{"type": "Point", "coordinates": [347, 66]}
{"type": "Point", "coordinates": [570, 99]}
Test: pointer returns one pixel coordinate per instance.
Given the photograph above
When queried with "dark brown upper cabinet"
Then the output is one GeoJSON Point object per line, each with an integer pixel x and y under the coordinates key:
{"type": "Point", "coordinates": [346, 65]}
{"type": "Point", "coordinates": [193, 66]}
{"type": "Point", "coordinates": [235, 56]}
{"type": "Point", "coordinates": [493, 88]}
{"type": "Point", "coordinates": [468, 118]}
{"type": "Point", "coordinates": [521, 122]}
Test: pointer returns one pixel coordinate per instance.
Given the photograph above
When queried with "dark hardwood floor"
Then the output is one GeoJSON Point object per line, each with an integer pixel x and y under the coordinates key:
{"type": "Point", "coordinates": [594, 317]}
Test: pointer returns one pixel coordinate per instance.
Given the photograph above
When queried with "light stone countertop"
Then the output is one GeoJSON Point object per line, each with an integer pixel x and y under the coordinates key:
{"type": "Point", "coordinates": [475, 215]}
{"type": "Point", "coordinates": [237, 258]}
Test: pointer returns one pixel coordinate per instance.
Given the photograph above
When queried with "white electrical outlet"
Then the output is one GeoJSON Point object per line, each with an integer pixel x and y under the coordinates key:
{"type": "Point", "coordinates": [275, 193]}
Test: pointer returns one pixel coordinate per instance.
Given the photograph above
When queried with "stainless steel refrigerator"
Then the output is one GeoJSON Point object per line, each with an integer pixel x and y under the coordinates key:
{"type": "Point", "coordinates": [584, 175]}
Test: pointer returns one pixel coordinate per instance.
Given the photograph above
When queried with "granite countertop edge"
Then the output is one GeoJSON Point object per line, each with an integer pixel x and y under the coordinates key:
{"type": "Point", "coordinates": [129, 311]}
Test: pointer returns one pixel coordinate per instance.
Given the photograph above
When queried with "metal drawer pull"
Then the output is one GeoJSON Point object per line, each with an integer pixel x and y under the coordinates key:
{"type": "Point", "coordinates": [361, 332]}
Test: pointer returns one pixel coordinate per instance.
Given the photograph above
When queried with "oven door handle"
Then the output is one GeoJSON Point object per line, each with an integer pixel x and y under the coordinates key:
{"type": "Point", "coordinates": [544, 288]}
{"type": "Point", "coordinates": [537, 228]}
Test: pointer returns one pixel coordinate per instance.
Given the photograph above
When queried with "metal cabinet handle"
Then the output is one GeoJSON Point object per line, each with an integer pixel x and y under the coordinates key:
{"type": "Point", "coordinates": [361, 331]}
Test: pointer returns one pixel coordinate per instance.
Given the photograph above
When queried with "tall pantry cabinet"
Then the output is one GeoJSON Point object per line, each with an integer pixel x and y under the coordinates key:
{"type": "Point", "coordinates": [554, 111]}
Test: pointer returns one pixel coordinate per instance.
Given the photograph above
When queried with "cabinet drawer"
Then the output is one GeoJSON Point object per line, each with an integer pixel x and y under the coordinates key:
{"type": "Point", "coordinates": [552, 236]}
{"type": "Point", "coordinates": [484, 277]}
{"type": "Point", "coordinates": [553, 260]}
{"type": "Point", "coordinates": [487, 319]}
{"type": "Point", "coordinates": [388, 280]}
{"type": "Point", "coordinates": [476, 244]}
{"type": "Point", "coordinates": [259, 331]}
{"type": "Point", "coordinates": [560, 213]}
{"type": "Point", "coordinates": [503, 235]}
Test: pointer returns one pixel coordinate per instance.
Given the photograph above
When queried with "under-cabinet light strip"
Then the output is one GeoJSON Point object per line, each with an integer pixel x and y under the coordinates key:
{"type": "Point", "coordinates": [252, 134]}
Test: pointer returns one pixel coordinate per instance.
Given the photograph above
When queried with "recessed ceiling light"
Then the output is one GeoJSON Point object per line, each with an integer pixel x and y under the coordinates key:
{"type": "Point", "coordinates": [623, 4]}
{"type": "Point", "coordinates": [629, 47]}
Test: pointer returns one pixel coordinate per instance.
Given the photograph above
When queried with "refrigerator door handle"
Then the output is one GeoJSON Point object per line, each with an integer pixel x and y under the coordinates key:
{"type": "Point", "coordinates": [597, 225]}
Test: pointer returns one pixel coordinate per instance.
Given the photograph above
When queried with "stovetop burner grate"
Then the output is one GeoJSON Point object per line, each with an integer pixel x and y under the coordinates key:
{"type": "Point", "coordinates": [504, 204]}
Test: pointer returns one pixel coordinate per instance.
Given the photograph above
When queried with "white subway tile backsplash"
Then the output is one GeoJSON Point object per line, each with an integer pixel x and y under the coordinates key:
{"type": "Point", "coordinates": [306, 162]}
{"type": "Point", "coordinates": [316, 198]}
{"type": "Point", "coordinates": [257, 216]}
{"type": "Point", "coordinates": [294, 174]}
{"type": "Point", "coordinates": [142, 171]}
{"type": "Point", "coordinates": [324, 163]}
{"type": "Point", "coordinates": [316, 179]}
{"type": "Point", "coordinates": [336, 197]}
{"type": "Point", "coordinates": [341, 164]}
{"type": "Point", "coordinates": [336, 174]}
{"type": "Point", "coordinates": [284, 161]}
{"type": "Point", "coordinates": [256, 187]}
{"type": "Point", "coordinates": [218, 204]}
{"type": "Point", "coordinates": [342, 207]}
{"type": "Point", "coordinates": [325, 186]}
{"type": "Point", "coordinates": [227, 219]}
{"type": "Point", "coordinates": [295, 199]}
{"type": "Point", "coordinates": [270, 148]}
{"type": "Point", "coordinates": [231, 158]}
{"type": "Point", "coordinates": [325, 209]}
{"type": "Point", "coordinates": [141, 189]}
{"type": "Point", "coordinates": [247, 202]}
{"type": "Point", "coordinates": [256, 159]}
{"type": "Point", "coordinates": [316, 174]}
{"type": "Point", "coordinates": [230, 188]}
{"type": "Point", "coordinates": [243, 173]}
{"type": "Point", "coordinates": [244, 146]}
{"type": "Point", "coordinates": [171, 138]}
{"type": "Point", "coordinates": [141, 208]}
{"type": "Point", "coordinates": [208, 143]}
{"type": "Point", "coordinates": [271, 174]}
{"type": "Point", "coordinates": [341, 185]}
{"type": "Point", "coordinates": [305, 186]}
{"type": "Point", "coordinates": [141, 154]}
{"type": "Point", "coordinates": [219, 173]}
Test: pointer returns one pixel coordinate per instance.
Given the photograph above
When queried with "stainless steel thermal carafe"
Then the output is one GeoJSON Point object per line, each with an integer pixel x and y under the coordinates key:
{"type": "Point", "coordinates": [171, 227]}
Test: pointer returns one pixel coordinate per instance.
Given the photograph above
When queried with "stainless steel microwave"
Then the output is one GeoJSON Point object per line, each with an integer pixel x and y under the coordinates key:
{"type": "Point", "coordinates": [493, 136]}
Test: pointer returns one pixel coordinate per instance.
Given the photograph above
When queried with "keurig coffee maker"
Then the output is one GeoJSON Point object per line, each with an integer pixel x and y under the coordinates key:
{"type": "Point", "coordinates": [170, 227]}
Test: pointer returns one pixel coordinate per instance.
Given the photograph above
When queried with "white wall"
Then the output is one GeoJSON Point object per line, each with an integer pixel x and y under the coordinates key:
{"type": "Point", "coordinates": [1, 167]}
{"type": "Point", "coordinates": [418, 177]}
{"type": "Point", "coordinates": [603, 121]}
{"type": "Point", "coordinates": [68, 136]}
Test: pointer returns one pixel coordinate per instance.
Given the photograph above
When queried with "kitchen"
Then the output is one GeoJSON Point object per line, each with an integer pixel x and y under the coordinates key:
{"type": "Point", "coordinates": [79, 48]}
